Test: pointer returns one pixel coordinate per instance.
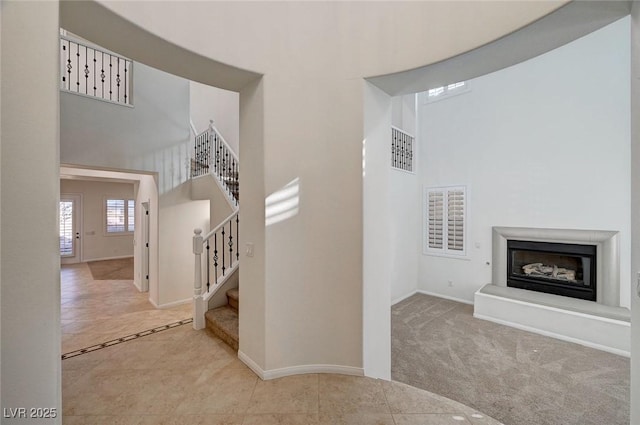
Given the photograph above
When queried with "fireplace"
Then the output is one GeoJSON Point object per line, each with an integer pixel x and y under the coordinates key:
{"type": "Point", "coordinates": [586, 262]}
{"type": "Point", "coordinates": [555, 268]}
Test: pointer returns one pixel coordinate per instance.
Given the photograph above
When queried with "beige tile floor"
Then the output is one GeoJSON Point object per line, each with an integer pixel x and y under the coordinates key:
{"type": "Point", "coordinates": [96, 311]}
{"type": "Point", "coordinates": [182, 376]}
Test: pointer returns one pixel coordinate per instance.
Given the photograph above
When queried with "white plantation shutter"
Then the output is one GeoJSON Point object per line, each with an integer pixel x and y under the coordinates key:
{"type": "Point", "coordinates": [131, 215]}
{"type": "Point", "coordinates": [120, 215]}
{"type": "Point", "coordinates": [455, 219]}
{"type": "Point", "coordinates": [445, 220]}
{"type": "Point", "coordinates": [435, 219]}
{"type": "Point", "coordinates": [115, 216]}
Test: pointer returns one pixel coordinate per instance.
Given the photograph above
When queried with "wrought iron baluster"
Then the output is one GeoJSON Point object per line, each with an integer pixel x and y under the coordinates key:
{"type": "Point", "coordinates": [237, 236]}
{"type": "Point", "coordinates": [208, 152]}
{"type": "Point", "coordinates": [404, 147]}
{"type": "Point", "coordinates": [94, 73]}
{"type": "Point", "coordinates": [118, 78]}
{"type": "Point", "coordinates": [102, 74]}
{"type": "Point", "coordinates": [393, 148]}
{"type": "Point", "coordinates": [110, 77]}
{"type": "Point", "coordinates": [215, 255]}
{"type": "Point", "coordinates": [77, 68]}
{"type": "Point", "coordinates": [208, 272]}
{"type": "Point", "coordinates": [230, 243]}
{"type": "Point", "coordinates": [236, 185]}
{"type": "Point", "coordinates": [217, 153]}
{"type": "Point", "coordinates": [223, 265]}
{"type": "Point", "coordinates": [125, 81]}
{"type": "Point", "coordinates": [227, 170]}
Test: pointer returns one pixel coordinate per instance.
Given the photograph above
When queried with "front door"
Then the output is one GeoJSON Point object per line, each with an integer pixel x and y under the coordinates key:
{"type": "Point", "coordinates": [70, 206]}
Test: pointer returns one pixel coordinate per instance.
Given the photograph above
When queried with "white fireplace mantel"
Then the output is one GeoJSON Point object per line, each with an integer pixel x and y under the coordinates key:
{"type": "Point", "coordinates": [607, 257]}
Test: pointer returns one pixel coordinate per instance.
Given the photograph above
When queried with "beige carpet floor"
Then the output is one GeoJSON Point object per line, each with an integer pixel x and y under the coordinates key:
{"type": "Point", "coordinates": [517, 377]}
{"type": "Point", "coordinates": [119, 269]}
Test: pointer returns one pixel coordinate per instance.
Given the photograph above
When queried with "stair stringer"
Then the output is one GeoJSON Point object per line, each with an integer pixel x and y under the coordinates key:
{"type": "Point", "coordinates": [205, 301]}
{"type": "Point", "coordinates": [218, 297]}
{"type": "Point", "coordinates": [209, 187]}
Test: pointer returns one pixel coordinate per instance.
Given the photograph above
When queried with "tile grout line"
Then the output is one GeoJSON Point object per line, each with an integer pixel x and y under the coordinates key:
{"type": "Point", "coordinates": [127, 338]}
{"type": "Point", "coordinates": [386, 399]}
{"type": "Point", "coordinates": [253, 391]}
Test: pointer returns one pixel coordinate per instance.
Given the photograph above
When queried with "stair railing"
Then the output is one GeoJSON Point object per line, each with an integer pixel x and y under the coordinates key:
{"type": "Point", "coordinates": [89, 70]}
{"type": "Point", "coordinates": [221, 259]}
{"type": "Point", "coordinates": [212, 154]}
{"type": "Point", "coordinates": [226, 165]}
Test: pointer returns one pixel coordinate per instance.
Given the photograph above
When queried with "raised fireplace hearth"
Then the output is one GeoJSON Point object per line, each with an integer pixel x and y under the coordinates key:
{"type": "Point", "coordinates": [581, 261]}
{"type": "Point", "coordinates": [554, 268]}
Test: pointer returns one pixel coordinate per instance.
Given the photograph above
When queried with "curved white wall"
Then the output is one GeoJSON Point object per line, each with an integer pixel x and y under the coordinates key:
{"type": "Point", "coordinates": [303, 119]}
{"type": "Point", "coordinates": [544, 143]}
{"type": "Point", "coordinates": [313, 129]}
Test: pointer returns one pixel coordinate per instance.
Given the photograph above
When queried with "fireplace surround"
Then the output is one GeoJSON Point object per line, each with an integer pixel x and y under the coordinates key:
{"type": "Point", "coordinates": [607, 259]}
{"type": "Point", "coordinates": [602, 324]}
{"type": "Point", "coordinates": [555, 268]}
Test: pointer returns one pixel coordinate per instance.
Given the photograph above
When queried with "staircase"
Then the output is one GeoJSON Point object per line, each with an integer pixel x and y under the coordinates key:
{"type": "Point", "coordinates": [216, 296]}
{"type": "Point", "coordinates": [223, 321]}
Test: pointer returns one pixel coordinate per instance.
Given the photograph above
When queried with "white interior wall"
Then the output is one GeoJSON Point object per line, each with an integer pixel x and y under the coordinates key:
{"type": "Point", "coordinates": [30, 372]}
{"type": "Point", "coordinates": [221, 106]}
{"type": "Point", "coordinates": [178, 216]}
{"type": "Point", "coordinates": [153, 136]}
{"type": "Point", "coordinates": [363, 49]}
{"type": "Point", "coordinates": [314, 259]}
{"type": "Point", "coordinates": [96, 243]}
{"type": "Point", "coordinates": [252, 326]}
{"type": "Point", "coordinates": [145, 190]}
{"type": "Point", "coordinates": [403, 113]}
{"type": "Point", "coordinates": [378, 241]}
{"type": "Point", "coordinates": [404, 207]}
{"type": "Point", "coordinates": [635, 211]}
{"type": "Point", "coordinates": [541, 144]}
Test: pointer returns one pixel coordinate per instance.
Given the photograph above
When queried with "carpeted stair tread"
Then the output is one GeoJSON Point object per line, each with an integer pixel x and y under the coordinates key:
{"type": "Point", "coordinates": [223, 322]}
{"type": "Point", "coordinates": [233, 297]}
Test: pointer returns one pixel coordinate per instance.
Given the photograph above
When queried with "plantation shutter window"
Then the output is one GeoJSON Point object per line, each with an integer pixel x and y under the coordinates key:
{"type": "Point", "coordinates": [455, 220]}
{"type": "Point", "coordinates": [436, 219]}
{"type": "Point", "coordinates": [131, 215]}
{"type": "Point", "coordinates": [445, 220]}
{"type": "Point", "coordinates": [120, 215]}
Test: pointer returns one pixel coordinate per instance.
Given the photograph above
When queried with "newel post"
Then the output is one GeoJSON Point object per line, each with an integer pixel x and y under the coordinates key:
{"type": "Point", "coordinates": [198, 304]}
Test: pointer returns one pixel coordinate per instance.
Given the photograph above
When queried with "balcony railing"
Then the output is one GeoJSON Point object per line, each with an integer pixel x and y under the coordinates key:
{"type": "Point", "coordinates": [90, 71]}
{"type": "Point", "coordinates": [401, 150]}
{"type": "Point", "coordinates": [212, 154]}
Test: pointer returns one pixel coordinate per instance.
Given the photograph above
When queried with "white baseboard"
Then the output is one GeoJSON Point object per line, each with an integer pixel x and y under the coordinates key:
{"type": "Point", "coordinates": [251, 364]}
{"type": "Point", "coordinates": [266, 375]}
{"type": "Point", "coordinates": [171, 304]}
{"type": "Point", "coordinates": [404, 297]}
{"type": "Point", "coordinates": [433, 294]}
{"type": "Point", "coordinates": [446, 297]}
{"type": "Point", "coordinates": [591, 330]}
{"type": "Point", "coordinates": [176, 303]}
{"type": "Point", "coordinates": [554, 335]}
{"type": "Point", "coordinates": [120, 257]}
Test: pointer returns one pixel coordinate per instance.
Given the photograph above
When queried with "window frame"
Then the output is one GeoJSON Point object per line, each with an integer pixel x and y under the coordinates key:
{"type": "Point", "coordinates": [446, 92]}
{"type": "Point", "coordinates": [127, 222]}
{"type": "Point", "coordinates": [445, 251]}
